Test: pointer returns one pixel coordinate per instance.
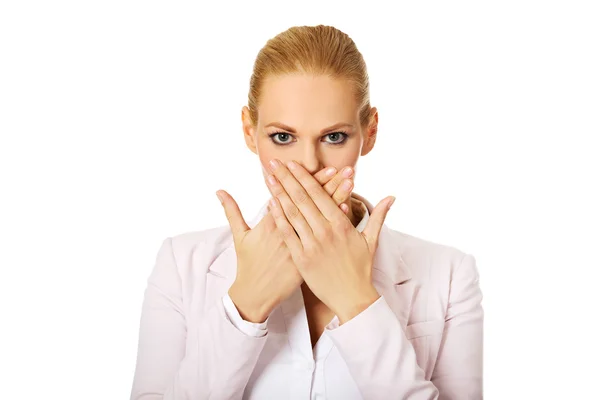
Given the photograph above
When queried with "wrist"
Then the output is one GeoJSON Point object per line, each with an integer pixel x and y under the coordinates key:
{"type": "Point", "coordinates": [355, 305]}
{"type": "Point", "coordinates": [249, 309]}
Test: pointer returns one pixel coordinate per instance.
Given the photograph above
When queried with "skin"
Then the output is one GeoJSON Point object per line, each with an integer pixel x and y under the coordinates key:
{"type": "Point", "coordinates": [266, 273]}
{"type": "Point", "coordinates": [333, 258]}
{"type": "Point", "coordinates": [309, 115]}
{"type": "Point", "coordinates": [307, 105]}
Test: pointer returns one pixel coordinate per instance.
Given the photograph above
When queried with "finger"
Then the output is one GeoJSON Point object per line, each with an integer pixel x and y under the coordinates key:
{"type": "Point", "coordinates": [324, 176]}
{"type": "Point", "coordinates": [337, 193]}
{"type": "Point", "coordinates": [290, 210]}
{"type": "Point", "coordinates": [333, 185]}
{"type": "Point", "coordinates": [343, 191]}
{"type": "Point", "coordinates": [234, 215]}
{"type": "Point", "coordinates": [302, 195]}
{"type": "Point", "coordinates": [318, 205]}
{"type": "Point", "coordinates": [286, 230]}
{"type": "Point", "coordinates": [330, 180]}
{"type": "Point", "coordinates": [268, 220]}
{"type": "Point", "coordinates": [373, 228]}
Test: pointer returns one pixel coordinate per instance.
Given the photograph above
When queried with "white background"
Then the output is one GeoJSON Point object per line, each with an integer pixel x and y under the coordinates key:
{"type": "Point", "coordinates": [120, 119]}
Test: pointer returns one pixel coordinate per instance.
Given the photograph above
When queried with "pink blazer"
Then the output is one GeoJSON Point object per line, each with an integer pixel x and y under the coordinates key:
{"type": "Point", "coordinates": [425, 341]}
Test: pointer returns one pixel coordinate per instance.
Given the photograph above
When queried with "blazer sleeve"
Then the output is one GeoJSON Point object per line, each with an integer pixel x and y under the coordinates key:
{"type": "Point", "coordinates": [458, 373]}
{"type": "Point", "coordinates": [387, 367]}
{"type": "Point", "coordinates": [176, 360]}
{"type": "Point", "coordinates": [380, 358]}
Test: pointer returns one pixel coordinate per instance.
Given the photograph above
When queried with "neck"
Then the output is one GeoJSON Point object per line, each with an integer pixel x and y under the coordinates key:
{"type": "Point", "coordinates": [355, 213]}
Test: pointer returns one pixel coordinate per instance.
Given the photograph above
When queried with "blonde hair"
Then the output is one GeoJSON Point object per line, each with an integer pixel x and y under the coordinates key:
{"type": "Point", "coordinates": [318, 50]}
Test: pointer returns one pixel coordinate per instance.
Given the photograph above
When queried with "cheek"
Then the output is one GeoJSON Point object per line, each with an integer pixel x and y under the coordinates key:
{"type": "Point", "coordinates": [265, 168]}
{"type": "Point", "coordinates": [266, 153]}
{"type": "Point", "coordinates": [347, 157]}
{"type": "Point", "coordinates": [338, 158]}
{"type": "Point", "coordinates": [265, 156]}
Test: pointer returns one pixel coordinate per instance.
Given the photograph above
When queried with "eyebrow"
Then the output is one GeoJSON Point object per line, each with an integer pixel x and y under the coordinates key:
{"type": "Point", "coordinates": [292, 130]}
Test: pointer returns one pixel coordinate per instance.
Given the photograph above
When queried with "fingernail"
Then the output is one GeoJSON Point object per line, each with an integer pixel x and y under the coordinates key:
{"type": "Point", "coordinates": [346, 185]}
{"type": "Point", "coordinates": [271, 180]}
{"type": "Point", "coordinates": [219, 197]}
{"type": "Point", "coordinates": [272, 202]}
{"type": "Point", "coordinates": [291, 165]}
{"type": "Point", "coordinates": [330, 171]}
{"type": "Point", "coordinates": [391, 202]}
{"type": "Point", "coordinates": [347, 172]}
{"type": "Point", "coordinates": [273, 164]}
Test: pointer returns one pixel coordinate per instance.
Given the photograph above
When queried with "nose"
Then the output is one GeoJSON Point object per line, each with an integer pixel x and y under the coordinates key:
{"type": "Point", "coordinates": [310, 160]}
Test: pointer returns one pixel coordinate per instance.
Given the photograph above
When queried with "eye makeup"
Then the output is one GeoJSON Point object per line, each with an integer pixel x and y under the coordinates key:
{"type": "Point", "coordinates": [337, 138]}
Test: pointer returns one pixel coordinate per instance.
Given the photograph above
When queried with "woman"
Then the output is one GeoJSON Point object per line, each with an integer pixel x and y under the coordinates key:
{"type": "Point", "coordinates": [315, 297]}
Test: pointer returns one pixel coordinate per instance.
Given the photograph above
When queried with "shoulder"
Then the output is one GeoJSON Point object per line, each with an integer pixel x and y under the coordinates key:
{"type": "Point", "coordinates": [187, 242]}
{"type": "Point", "coordinates": [428, 260]}
{"type": "Point", "coordinates": [193, 249]}
{"type": "Point", "coordinates": [446, 278]}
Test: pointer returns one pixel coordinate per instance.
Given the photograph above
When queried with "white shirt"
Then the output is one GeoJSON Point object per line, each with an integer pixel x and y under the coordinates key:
{"type": "Point", "coordinates": [299, 324]}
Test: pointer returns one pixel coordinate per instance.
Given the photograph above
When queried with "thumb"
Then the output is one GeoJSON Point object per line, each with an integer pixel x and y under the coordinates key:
{"type": "Point", "coordinates": [234, 215]}
{"type": "Point", "coordinates": [376, 220]}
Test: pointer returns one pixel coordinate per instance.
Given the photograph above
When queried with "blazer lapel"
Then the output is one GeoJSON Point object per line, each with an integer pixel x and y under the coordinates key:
{"type": "Point", "coordinates": [391, 276]}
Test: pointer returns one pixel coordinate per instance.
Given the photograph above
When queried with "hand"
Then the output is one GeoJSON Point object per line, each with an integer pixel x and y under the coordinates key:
{"type": "Point", "coordinates": [266, 273]}
{"type": "Point", "coordinates": [332, 185]}
{"type": "Point", "coordinates": [333, 258]}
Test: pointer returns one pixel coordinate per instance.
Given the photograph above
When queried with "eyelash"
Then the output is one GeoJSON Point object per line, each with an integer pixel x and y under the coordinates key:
{"type": "Point", "coordinates": [344, 135]}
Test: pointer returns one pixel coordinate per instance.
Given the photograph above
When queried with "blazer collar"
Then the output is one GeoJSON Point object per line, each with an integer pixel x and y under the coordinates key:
{"type": "Point", "coordinates": [387, 260]}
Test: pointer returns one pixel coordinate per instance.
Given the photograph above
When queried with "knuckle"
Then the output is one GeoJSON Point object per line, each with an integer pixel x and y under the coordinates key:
{"type": "Point", "coordinates": [337, 180]}
{"type": "Point", "coordinates": [302, 260]}
{"type": "Point", "coordinates": [324, 234]}
{"type": "Point", "coordinates": [293, 212]}
{"type": "Point", "coordinates": [277, 190]}
{"type": "Point", "coordinates": [338, 197]}
{"type": "Point", "coordinates": [286, 232]}
{"type": "Point", "coordinates": [313, 190]}
{"type": "Point", "coordinates": [320, 177]}
{"type": "Point", "coordinates": [329, 188]}
{"type": "Point", "coordinates": [341, 225]}
{"type": "Point", "coordinates": [347, 227]}
{"type": "Point", "coordinates": [300, 196]}
{"type": "Point", "coordinates": [311, 252]}
{"type": "Point", "coordinates": [270, 227]}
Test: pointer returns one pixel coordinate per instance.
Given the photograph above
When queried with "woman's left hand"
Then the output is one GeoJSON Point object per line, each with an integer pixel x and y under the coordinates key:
{"type": "Point", "coordinates": [332, 256]}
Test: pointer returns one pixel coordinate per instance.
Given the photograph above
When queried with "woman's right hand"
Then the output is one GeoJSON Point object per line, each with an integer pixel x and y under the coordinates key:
{"type": "Point", "coordinates": [266, 273]}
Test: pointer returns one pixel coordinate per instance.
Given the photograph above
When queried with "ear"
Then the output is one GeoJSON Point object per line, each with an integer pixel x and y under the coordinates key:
{"type": "Point", "coordinates": [371, 134]}
{"type": "Point", "coordinates": [249, 129]}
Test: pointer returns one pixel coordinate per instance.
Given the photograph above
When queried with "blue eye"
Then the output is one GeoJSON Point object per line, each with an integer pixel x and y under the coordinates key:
{"type": "Point", "coordinates": [284, 138]}
{"type": "Point", "coordinates": [281, 137]}
{"type": "Point", "coordinates": [337, 137]}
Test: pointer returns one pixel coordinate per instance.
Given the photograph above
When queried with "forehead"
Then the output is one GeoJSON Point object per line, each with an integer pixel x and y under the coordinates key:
{"type": "Point", "coordinates": [299, 99]}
